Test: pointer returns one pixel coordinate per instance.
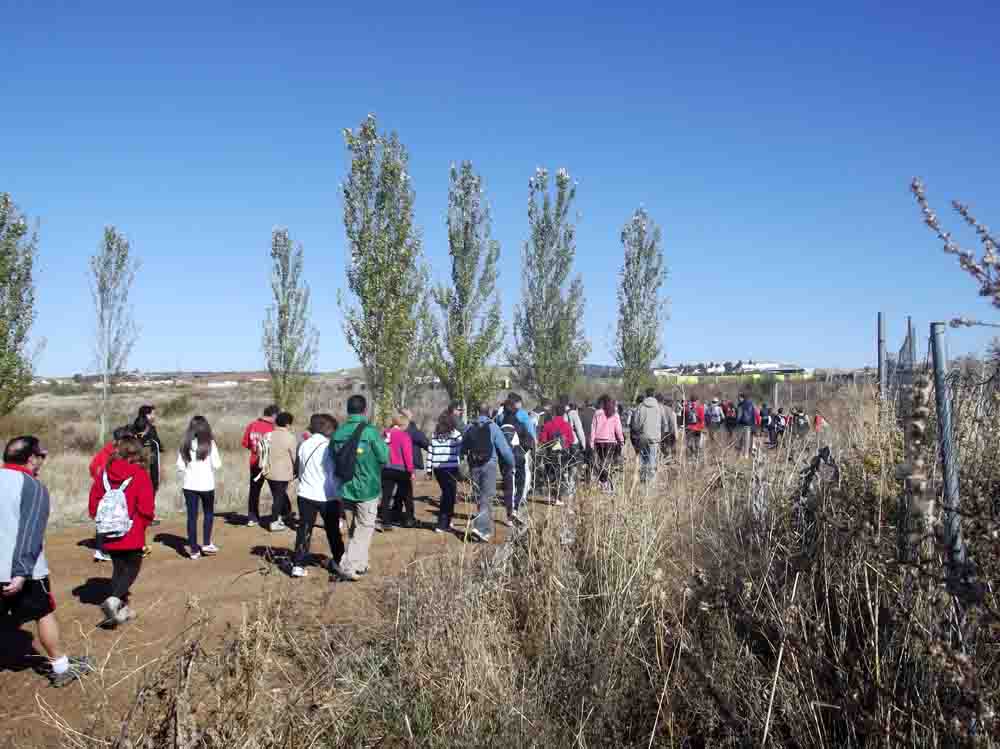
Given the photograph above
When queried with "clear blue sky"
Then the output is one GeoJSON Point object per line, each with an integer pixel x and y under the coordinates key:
{"type": "Point", "coordinates": [773, 145]}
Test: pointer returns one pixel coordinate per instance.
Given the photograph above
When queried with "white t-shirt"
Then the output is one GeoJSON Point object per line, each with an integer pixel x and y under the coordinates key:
{"type": "Point", "coordinates": [199, 475]}
{"type": "Point", "coordinates": [316, 469]}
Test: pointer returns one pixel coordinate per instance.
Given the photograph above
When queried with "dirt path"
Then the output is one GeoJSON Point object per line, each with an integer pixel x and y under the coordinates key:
{"type": "Point", "coordinates": [168, 585]}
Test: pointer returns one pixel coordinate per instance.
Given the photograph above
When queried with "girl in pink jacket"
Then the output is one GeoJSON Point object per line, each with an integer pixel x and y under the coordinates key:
{"type": "Point", "coordinates": [397, 477]}
{"type": "Point", "coordinates": [607, 437]}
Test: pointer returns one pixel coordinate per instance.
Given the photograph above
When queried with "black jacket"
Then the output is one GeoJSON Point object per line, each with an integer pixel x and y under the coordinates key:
{"type": "Point", "coordinates": [420, 443]}
{"type": "Point", "coordinates": [151, 441]}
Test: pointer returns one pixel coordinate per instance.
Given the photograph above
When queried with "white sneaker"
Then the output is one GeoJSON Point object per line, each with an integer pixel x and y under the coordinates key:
{"type": "Point", "coordinates": [110, 609]}
{"type": "Point", "coordinates": [124, 615]}
{"type": "Point", "coordinates": [210, 549]}
{"type": "Point", "coordinates": [559, 503]}
{"type": "Point", "coordinates": [251, 524]}
{"type": "Point", "coordinates": [100, 556]}
{"type": "Point", "coordinates": [194, 555]}
{"type": "Point", "coordinates": [277, 526]}
{"type": "Point", "coordinates": [298, 571]}
{"type": "Point", "coordinates": [480, 536]}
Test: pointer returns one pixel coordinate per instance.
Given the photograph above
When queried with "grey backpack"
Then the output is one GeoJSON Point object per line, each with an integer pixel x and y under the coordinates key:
{"type": "Point", "coordinates": [112, 516]}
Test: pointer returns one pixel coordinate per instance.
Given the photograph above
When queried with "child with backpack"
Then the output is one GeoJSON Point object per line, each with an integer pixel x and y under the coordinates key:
{"type": "Point", "coordinates": [123, 505]}
{"type": "Point", "coordinates": [197, 461]}
{"type": "Point", "coordinates": [556, 440]}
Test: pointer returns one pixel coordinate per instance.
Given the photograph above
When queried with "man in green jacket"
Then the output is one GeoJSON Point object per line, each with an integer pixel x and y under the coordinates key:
{"type": "Point", "coordinates": [362, 493]}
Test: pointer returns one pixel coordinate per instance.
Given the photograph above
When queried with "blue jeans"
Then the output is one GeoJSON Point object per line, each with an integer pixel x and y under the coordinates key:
{"type": "Point", "coordinates": [484, 489]}
{"type": "Point", "coordinates": [648, 456]}
{"type": "Point", "coordinates": [207, 500]}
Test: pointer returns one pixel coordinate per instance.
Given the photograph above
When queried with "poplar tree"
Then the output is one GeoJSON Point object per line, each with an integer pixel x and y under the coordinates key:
{"type": "Point", "coordinates": [469, 308]}
{"type": "Point", "coordinates": [290, 342]}
{"type": "Point", "coordinates": [18, 249]}
{"type": "Point", "coordinates": [384, 273]}
{"type": "Point", "coordinates": [641, 304]}
{"type": "Point", "coordinates": [112, 272]}
{"type": "Point", "coordinates": [549, 343]}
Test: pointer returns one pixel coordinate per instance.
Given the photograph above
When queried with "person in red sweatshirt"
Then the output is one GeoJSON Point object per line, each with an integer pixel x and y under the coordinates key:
{"type": "Point", "coordinates": [557, 434]}
{"type": "Point", "coordinates": [694, 424]}
{"type": "Point", "coordinates": [254, 433]}
{"type": "Point", "coordinates": [397, 476]}
{"type": "Point", "coordinates": [97, 466]}
{"type": "Point", "coordinates": [125, 465]}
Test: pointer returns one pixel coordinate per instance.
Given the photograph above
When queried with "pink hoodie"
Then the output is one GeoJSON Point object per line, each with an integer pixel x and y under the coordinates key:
{"type": "Point", "coordinates": [606, 428]}
{"type": "Point", "coordinates": [400, 449]}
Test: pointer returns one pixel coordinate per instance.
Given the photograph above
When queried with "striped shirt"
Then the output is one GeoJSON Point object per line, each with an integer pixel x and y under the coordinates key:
{"type": "Point", "coordinates": [445, 451]}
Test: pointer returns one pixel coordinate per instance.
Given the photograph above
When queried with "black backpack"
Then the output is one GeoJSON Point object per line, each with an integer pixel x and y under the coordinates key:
{"type": "Point", "coordinates": [346, 456]}
{"type": "Point", "coordinates": [479, 445]}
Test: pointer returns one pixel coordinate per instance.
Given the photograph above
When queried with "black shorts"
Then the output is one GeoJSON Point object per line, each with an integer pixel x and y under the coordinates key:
{"type": "Point", "coordinates": [34, 602]}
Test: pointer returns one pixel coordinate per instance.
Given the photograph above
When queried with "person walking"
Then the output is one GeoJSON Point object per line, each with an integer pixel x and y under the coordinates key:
{"type": "Point", "coordinates": [516, 478]}
{"type": "Point", "coordinates": [443, 459]}
{"type": "Point", "coordinates": [25, 588]}
{"type": "Point", "coordinates": [125, 472]}
{"type": "Point", "coordinates": [420, 442]}
{"type": "Point", "coordinates": [587, 422]}
{"type": "Point", "coordinates": [608, 439]}
{"type": "Point", "coordinates": [714, 419]}
{"type": "Point", "coordinates": [668, 442]}
{"type": "Point", "coordinates": [316, 496]}
{"type": "Point", "coordinates": [144, 427]}
{"type": "Point", "coordinates": [197, 461]}
{"type": "Point", "coordinates": [97, 465]}
{"type": "Point", "coordinates": [746, 422]}
{"type": "Point", "coordinates": [254, 434]}
{"type": "Point", "coordinates": [647, 433]}
{"type": "Point", "coordinates": [361, 491]}
{"type": "Point", "coordinates": [694, 426]}
{"type": "Point", "coordinates": [484, 445]}
{"type": "Point", "coordinates": [556, 440]}
{"type": "Point", "coordinates": [280, 470]}
{"type": "Point", "coordinates": [397, 476]}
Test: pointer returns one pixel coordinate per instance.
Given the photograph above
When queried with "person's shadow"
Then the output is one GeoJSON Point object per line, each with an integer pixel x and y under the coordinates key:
{"type": "Point", "coordinates": [94, 591]}
{"type": "Point", "coordinates": [18, 652]}
{"type": "Point", "coordinates": [172, 541]}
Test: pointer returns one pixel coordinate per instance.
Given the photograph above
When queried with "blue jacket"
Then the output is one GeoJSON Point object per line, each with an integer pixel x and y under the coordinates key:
{"type": "Point", "coordinates": [523, 418]}
{"type": "Point", "coordinates": [744, 414]}
{"type": "Point", "coordinates": [496, 437]}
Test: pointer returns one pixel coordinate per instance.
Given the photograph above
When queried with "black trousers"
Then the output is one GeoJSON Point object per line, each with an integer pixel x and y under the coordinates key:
{"type": "Point", "coordinates": [447, 479]}
{"type": "Point", "coordinates": [397, 495]}
{"type": "Point", "coordinates": [331, 511]}
{"type": "Point", "coordinates": [281, 507]}
{"type": "Point", "coordinates": [606, 456]}
{"type": "Point", "coordinates": [125, 566]}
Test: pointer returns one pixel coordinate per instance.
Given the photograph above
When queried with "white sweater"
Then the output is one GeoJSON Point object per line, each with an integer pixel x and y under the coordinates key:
{"type": "Point", "coordinates": [199, 475]}
{"type": "Point", "coordinates": [316, 480]}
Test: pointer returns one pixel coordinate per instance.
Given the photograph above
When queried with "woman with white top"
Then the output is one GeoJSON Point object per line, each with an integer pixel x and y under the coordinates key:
{"type": "Point", "coordinates": [197, 461]}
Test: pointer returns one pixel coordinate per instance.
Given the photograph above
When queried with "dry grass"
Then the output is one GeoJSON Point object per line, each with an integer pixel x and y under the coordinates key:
{"type": "Point", "coordinates": [724, 606]}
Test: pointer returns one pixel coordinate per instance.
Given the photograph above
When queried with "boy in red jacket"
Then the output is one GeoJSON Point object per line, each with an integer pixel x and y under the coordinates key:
{"type": "Point", "coordinates": [126, 551]}
{"type": "Point", "coordinates": [252, 436]}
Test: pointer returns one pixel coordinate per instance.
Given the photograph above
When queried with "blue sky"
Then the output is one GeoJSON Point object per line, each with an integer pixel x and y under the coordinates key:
{"type": "Point", "coordinates": [773, 145]}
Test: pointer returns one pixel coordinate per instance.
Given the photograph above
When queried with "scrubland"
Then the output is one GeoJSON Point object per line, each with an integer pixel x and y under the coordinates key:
{"type": "Point", "coordinates": [735, 602]}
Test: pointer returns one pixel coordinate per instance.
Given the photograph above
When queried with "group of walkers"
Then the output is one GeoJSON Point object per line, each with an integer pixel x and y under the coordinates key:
{"type": "Point", "coordinates": [352, 476]}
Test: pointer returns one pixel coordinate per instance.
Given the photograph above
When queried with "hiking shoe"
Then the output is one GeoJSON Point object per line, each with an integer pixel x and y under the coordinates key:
{"type": "Point", "coordinates": [479, 536]}
{"type": "Point", "coordinates": [100, 556]}
{"type": "Point", "coordinates": [110, 609]}
{"type": "Point", "coordinates": [277, 526]}
{"type": "Point", "coordinates": [125, 614]}
{"type": "Point", "coordinates": [155, 521]}
{"type": "Point", "coordinates": [252, 523]}
{"type": "Point", "coordinates": [298, 571]}
{"type": "Point", "coordinates": [78, 668]}
{"type": "Point", "coordinates": [362, 573]}
{"type": "Point", "coordinates": [408, 523]}
{"type": "Point", "coordinates": [146, 551]}
{"type": "Point", "coordinates": [210, 549]}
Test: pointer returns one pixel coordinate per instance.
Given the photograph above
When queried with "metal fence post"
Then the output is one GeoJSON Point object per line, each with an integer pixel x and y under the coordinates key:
{"type": "Point", "coordinates": [883, 375]}
{"type": "Point", "coordinates": [942, 398]}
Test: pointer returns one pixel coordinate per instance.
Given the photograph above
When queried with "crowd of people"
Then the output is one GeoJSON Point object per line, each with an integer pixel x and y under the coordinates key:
{"type": "Point", "coordinates": [352, 476]}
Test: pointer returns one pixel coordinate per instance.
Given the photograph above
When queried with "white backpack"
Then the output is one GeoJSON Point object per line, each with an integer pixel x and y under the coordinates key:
{"type": "Point", "coordinates": [112, 516]}
{"type": "Point", "coordinates": [263, 456]}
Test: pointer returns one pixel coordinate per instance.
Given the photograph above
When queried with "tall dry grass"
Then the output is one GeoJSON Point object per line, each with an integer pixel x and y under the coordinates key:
{"type": "Point", "coordinates": [736, 602]}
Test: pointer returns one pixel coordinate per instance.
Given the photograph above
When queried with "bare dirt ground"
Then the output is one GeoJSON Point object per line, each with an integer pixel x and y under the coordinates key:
{"type": "Point", "coordinates": [168, 586]}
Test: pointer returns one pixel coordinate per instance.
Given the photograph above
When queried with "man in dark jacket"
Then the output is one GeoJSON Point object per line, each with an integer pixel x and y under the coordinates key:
{"type": "Point", "coordinates": [419, 439]}
{"type": "Point", "coordinates": [746, 422]}
{"type": "Point", "coordinates": [145, 429]}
